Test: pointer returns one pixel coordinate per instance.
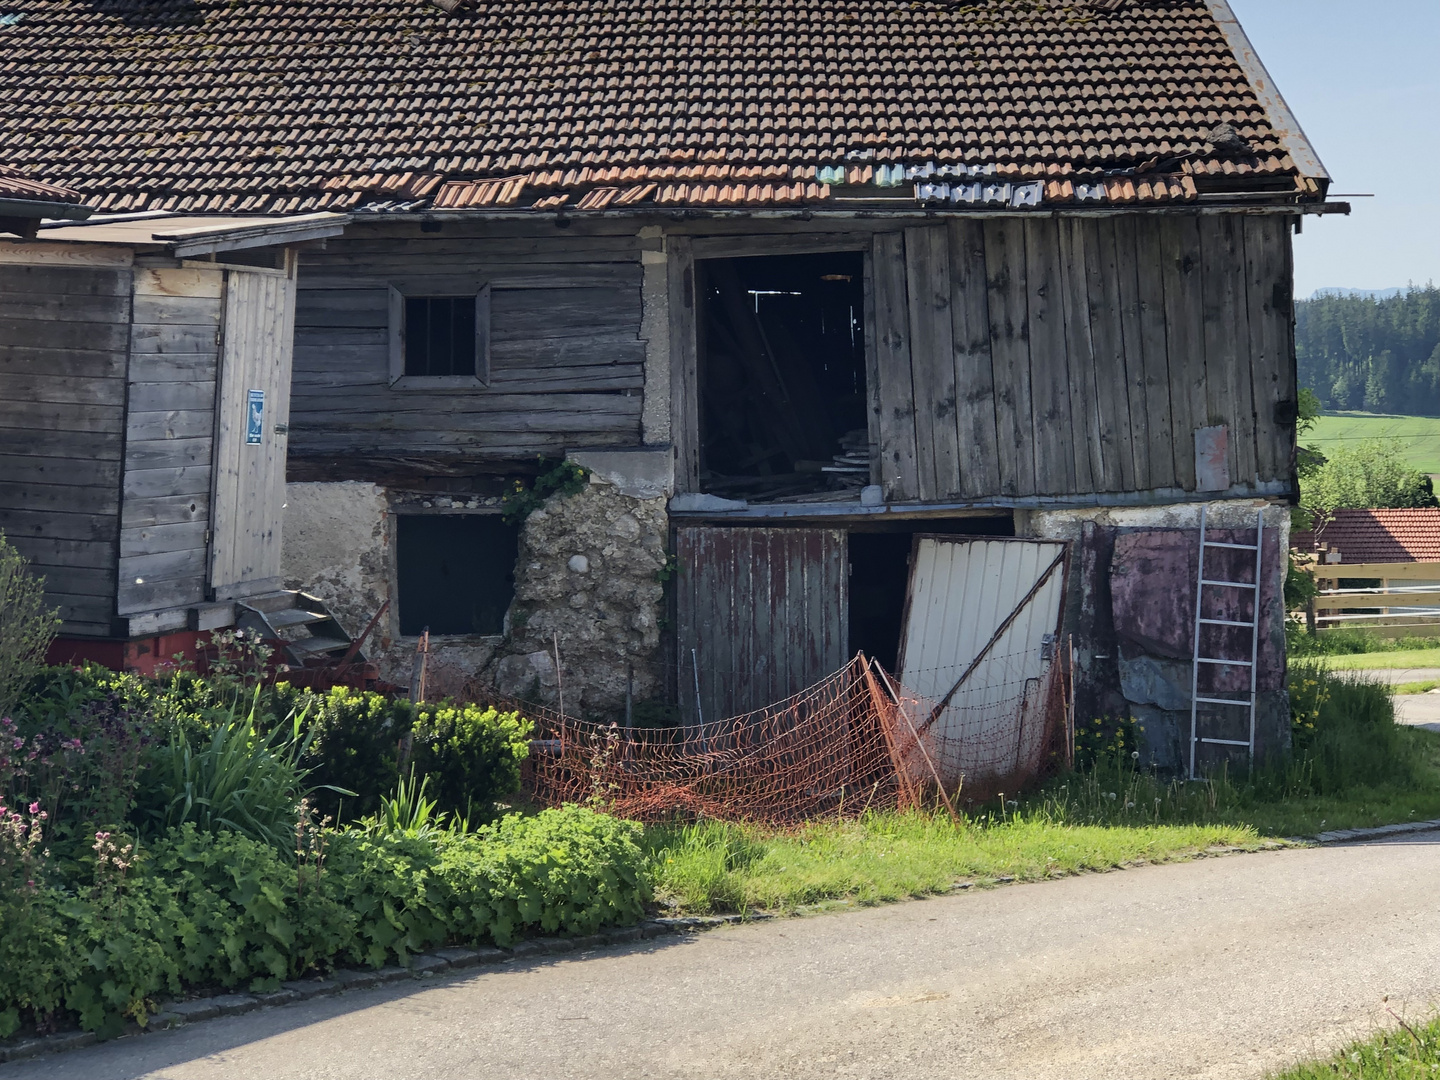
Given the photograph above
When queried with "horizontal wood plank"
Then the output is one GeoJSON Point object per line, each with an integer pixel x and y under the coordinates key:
{"type": "Point", "coordinates": [155, 511]}
{"type": "Point", "coordinates": [58, 525]}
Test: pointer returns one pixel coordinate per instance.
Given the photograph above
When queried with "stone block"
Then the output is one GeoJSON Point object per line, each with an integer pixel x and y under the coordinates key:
{"type": "Point", "coordinates": [309, 988]}
{"type": "Point", "coordinates": [1145, 680]}
{"type": "Point", "coordinates": [525, 676]}
{"type": "Point", "coordinates": [428, 963]}
{"type": "Point", "coordinates": [190, 1011]}
{"type": "Point", "coordinates": [355, 980]}
{"type": "Point", "coordinates": [640, 474]}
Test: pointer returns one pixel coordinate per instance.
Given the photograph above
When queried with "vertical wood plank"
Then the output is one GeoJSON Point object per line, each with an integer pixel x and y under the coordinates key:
{"type": "Point", "coordinates": [1056, 467]}
{"type": "Point", "coordinates": [1118, 258]}
{"type": "Point", "coordinates": [1150, 287]}
{"type": "Point", "coordinates": [932, 364]}
{"type": "Point", "coordinates": [1268, 304]}
{"type": "Point", "coordinates": [1228, 352]}
{"type": "Point", "coordinates": [974, 377]}
{"type": "Point", "coordinates": [872, 372]}
{"type": "Point", "coordinates": [1010, 354]}
{"type": "Point", "coordinates": [1092, 425]}
{"type": "Point", "coordinates": [1184, 336]}
{"type": "Point", "coordinates": [898, 467]}
{"type": "Point", "coordinates": [684, 377]}
{"type": "Point", "coordinates": [1107, 337]}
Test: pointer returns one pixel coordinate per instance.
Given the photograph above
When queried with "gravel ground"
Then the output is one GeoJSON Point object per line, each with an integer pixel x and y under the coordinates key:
{"type": "Point", "coordinates": [1223, 967]}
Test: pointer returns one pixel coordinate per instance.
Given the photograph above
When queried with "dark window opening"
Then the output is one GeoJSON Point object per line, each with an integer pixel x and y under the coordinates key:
{"type": "Point", "coordinates": [456, 573]}
{"type": "Point", "coordinates": [782, 374]}
{"type": "Point", "coordinates": [880, 579]}
{"type": "Point", "coordinates": [440, 335]}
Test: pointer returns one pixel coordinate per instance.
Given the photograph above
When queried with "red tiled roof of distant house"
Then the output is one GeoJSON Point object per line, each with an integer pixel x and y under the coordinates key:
{"type": "Point", "coordinates": [224, 106]}
{"type": "Point", "coordinates": [1377, 536]}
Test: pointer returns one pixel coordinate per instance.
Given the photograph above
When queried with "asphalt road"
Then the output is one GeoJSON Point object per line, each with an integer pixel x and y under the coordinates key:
{"type": "Point", "coordinates": [1224, 967]}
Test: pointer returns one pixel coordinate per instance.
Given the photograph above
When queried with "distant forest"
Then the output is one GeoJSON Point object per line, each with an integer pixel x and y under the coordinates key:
{"type": "Point", "coordinates": [1356, 352]}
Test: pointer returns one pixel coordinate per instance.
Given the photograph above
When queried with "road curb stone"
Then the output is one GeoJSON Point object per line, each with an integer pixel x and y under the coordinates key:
{"type": "Point", "coordinates": [1340, 836]}
{"type": "Point", "coordinates": [174, 1014]}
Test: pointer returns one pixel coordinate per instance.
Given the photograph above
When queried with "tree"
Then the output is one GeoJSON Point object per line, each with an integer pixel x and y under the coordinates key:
{"type": "Point", "coordinates": [1369, 475]}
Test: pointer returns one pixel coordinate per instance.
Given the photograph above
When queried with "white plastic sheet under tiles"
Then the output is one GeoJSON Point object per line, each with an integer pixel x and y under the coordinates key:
{"type": "Point", "coordinates": [961, 591]}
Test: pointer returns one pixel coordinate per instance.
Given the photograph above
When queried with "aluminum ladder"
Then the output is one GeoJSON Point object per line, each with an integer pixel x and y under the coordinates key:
{"type": "Point", "coordinates": [1203, 583]}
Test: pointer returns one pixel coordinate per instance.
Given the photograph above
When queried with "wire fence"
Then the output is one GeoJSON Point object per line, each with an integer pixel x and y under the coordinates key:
{"type": "Point", "coordinates": [854, 741]}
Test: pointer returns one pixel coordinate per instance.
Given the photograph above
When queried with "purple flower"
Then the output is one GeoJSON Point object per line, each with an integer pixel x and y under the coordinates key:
{"type": "Point", "coordinates": [34, 808]}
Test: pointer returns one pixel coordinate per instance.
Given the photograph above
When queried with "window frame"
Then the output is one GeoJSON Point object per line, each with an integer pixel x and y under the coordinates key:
{"type": "Point", "coordinates": [478, 381]}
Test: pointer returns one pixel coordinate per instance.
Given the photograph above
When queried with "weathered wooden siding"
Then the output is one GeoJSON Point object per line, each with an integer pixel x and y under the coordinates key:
{"type": "Point", "coordinates": [249, 491]}
{"type": "Point", "coordinates": [174, 344]}
{"type": "Point", "coordinates": [766, 612]}
{"type": "Point", "coordinates": [566, 360]}
{"type": "Point", "coordinates": [64, 344]}
{"type": "Point", "coordinates": [1058, 356]}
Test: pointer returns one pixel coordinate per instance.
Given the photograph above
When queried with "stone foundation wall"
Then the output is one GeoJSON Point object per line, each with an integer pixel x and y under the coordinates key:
{"type": "Point", "coordinates": [1130, 607]}
{"type": "Point", "coordinates": [587, 580]}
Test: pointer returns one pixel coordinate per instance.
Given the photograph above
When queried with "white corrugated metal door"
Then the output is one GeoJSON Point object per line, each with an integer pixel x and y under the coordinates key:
{"type": "Point", "coordinates": [991, 600]}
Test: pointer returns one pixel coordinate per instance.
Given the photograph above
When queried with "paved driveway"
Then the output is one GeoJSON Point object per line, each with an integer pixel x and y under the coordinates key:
{"type": "Point", "coordinates": [1217, 968]}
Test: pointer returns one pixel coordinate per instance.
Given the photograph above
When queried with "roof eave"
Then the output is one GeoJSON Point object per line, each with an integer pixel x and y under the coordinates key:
{"type": "Point", "coordinates": [44, 209]}
{"type": "Point", "coordinates": [1287, 128]}
{"type": "Point", "coordinates": [212, 240]}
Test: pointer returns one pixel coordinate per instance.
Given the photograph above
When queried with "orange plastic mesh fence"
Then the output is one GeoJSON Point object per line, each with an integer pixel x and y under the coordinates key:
{"type": "Point", "coordinates": [853, 741]}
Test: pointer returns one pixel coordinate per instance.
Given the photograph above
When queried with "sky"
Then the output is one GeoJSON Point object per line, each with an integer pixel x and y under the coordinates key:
{"type": "Point", "coordinates": [1363, 78]}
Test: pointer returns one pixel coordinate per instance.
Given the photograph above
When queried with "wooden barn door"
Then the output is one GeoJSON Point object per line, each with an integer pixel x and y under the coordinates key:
{"type": "Point", "coordinates": [251, 432]}
{"type": "Point", "coordinates": [761, 615]}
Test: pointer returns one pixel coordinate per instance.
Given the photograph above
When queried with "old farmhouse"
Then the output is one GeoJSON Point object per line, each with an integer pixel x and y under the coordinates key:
{"type": "Point", "coordinates": [872, 322]}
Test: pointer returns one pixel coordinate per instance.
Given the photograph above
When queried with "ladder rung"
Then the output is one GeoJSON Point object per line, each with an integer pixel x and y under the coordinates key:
{"type": "Point", "coordinates": [1224, 701]}
{"type": "Point", "coordinates": [1230, 584]}
{"type": "Point", "coordinates": [1237, 663]}
{"type": "Point", "coordinates": [1226, 742]}
{"type": "Point", "coordinates": [1226, 622]}
{"type": "Point", "coordinates": [1236, 547]}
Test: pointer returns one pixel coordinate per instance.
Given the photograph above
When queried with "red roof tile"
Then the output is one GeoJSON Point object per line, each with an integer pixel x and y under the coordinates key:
{"type": "Point", "coordinates": [342, 104]}
{"type": "Point", "coordinates": [1377, 536]}
{"type": "Point", "coordinates": [14, 185]}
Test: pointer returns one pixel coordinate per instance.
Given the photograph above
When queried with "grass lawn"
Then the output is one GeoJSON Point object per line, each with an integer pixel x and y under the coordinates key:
{"type": "Point", "coordinates": [1400, 658]}
{"type": "Point", "coordinates": [1419, 435]}
{"type": "Point", "coordinates": [1411, 1052]}
{"type": "Point", "coordinates": [716, 866]}
{"type": "Point", "coordinates": [1354, 767]}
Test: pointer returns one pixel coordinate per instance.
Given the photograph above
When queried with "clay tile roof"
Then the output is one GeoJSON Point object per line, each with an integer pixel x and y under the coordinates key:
{"type": "Point", "coordinates": [257, 106]}
{"type": "Point", "coordinates": [1378, 536]}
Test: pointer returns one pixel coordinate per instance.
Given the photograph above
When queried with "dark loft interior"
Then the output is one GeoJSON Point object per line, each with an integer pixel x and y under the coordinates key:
{"type": "Point", "coordinates": [782, 375]}
{"type": "Point", "coordinates": [455, 573]}
{"type": "Point", "coordinates": [880, 578]}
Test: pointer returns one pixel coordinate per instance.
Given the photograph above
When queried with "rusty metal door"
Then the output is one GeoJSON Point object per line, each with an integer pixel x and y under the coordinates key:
{"type": "Point", "coordinates": [761, 614]}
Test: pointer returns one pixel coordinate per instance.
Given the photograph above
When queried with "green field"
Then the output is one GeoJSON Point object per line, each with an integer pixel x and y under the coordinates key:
{"type": "Point", "coordinates": [1420, 435]}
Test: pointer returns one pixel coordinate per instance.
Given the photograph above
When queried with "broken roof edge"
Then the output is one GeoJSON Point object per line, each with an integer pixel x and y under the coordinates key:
{"type": "Point", "coordinates": [1287, 128]}
{"type": "Point", "coordinates": [230, 233]}
{"type": "Point", "coordinates": [44, 209]}
{"type": "Point", "coordinates": [211, 240]}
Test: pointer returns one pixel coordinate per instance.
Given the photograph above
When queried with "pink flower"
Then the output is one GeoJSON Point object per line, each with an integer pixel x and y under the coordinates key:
{"type": "Point", "coordinates": [34, 808]}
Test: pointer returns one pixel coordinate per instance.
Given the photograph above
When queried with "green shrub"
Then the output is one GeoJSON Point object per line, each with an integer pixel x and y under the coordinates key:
{"type": "Point", "coordinates": [244, 920]}
{"type": "Point", "coordinates": [236, 779]}
{"type": "Point", "coordinates": [472, 756]}
{"type": "Point", "coordinates": [569, 869]}
{"type": "Point", "coordinates": [219, 909]}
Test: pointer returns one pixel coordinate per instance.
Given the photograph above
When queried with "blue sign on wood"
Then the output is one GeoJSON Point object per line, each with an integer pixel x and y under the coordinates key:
{"type": "Point", "coordinates": [255, 418]}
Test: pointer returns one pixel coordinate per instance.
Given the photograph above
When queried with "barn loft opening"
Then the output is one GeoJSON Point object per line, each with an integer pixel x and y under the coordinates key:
{"type": "Point", "coordinates": [880, 577]}
{"type": "Point", "coordinates": [455, 572]}
{"type": "Point", "coordinates": [782, 398]}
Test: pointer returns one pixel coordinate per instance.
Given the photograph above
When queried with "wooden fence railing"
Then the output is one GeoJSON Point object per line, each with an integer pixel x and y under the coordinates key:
{"type": "Point", "coordinates": [1405, 600]}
